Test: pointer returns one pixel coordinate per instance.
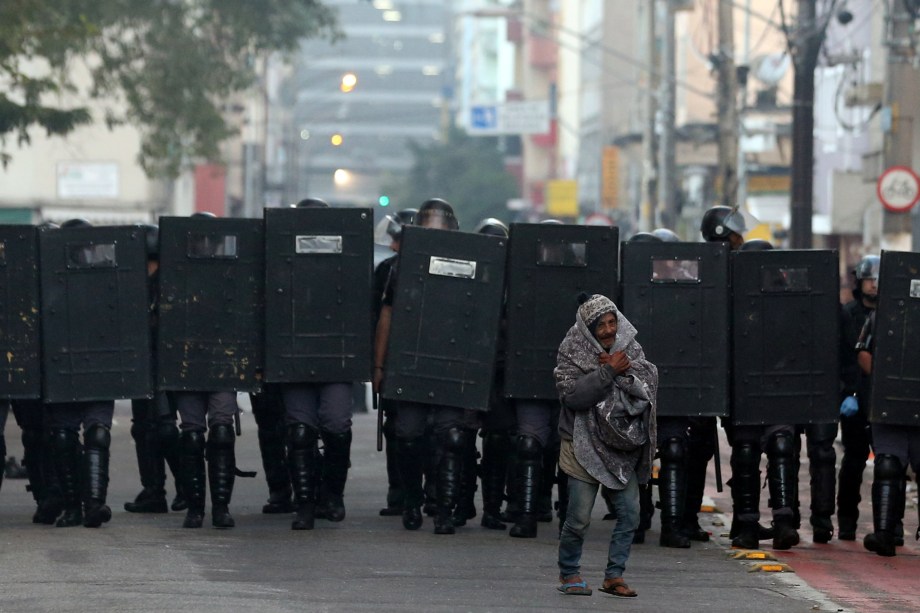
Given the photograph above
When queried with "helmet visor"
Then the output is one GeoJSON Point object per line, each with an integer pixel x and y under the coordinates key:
{"type": "Point", "coordinates": [740, 221]}
{"type": "Point", "coordinates": [387, 230]}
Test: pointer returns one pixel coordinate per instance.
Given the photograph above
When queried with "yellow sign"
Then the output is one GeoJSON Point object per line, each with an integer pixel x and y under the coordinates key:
{"type": "Point", "coordinates": [610, 177]}
{"type": "Point", "coordinates": [562, 198]}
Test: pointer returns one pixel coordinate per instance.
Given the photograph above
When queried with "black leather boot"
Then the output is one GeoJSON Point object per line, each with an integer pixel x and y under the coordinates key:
{"type": "Point", "coordinates": [530, 464]}
{"type": "Point", "coordinates": [822, 460]}
{"type": "Point", "coordinates": [411, 456]}
{"type": "Point", "coordinates": [68, 455]}
{"type": "Point", "coordinates": [394, 485]}
{"type": "Point", "coordinates": [547, 481]}
{"type": "Point", "coordinates": [672, 492]}
{"type": "Point", "coordinates": [274, 462]}
{"type": "Point", "coordinates": [150, 466]}
{"type": "Point", "coordinates": [168, 440]}
{"type": "Point", "coordinates": [38, 459]}
{"type": "Point", "coordinates": [466, 496]}
{"type": "Point", "coordinates": [887, 486]}
{"type": "Point", "coordinates": [782, 479]}
{"type": "Point", "coordinates": [191, 460]}
{"type": "Point", "coordinates": [96, 443]}
{"type": "Point", "coordinates": [745, 485]}
{"type": "Point", "coordinates": [494, 464]}
{"type": "Point", "coordinates": [336, 461]}
{"type": "Point", "coordinates": [221, 473]}
{"type": "Point", "coordinates": [450, 472]}
{"type": "Point", "coordinates": [301, 466]}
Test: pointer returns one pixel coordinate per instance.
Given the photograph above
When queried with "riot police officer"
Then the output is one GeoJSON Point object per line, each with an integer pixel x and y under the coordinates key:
{"type": "Point", "coordinates": [391, 235]}
{"type": "Point", "coordinates": [83, 466]}
{"type": "Point", "coordinates": [497, 424]}
{"type": "Point", "coordinates": [854, 417]}
{"type": "Point", "coordinates": [153, 420]}
{"type": "Point", "coordinates": [673, 452]}
{"type": "Point", "coordinates": [449, 423]}
{"type": "Point", "coordinates": [207, 428]}
{"type": "Point", "coordinates": [312, 412]}
{"type": "Point", "coordinates": [727, 224]}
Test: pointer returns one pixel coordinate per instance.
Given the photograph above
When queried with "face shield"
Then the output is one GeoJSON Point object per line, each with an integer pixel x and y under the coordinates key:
{"type": "Point", "coordinates": [387, 230]}
{"type": "Point", "coordinates": [740, 221]}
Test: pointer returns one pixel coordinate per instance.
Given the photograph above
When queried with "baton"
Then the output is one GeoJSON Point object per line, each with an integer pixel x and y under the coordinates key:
{"type": "Point", "coordinates": [236, 422]}
{"type": "Point", "coordinates": [379, 421]}
{"type": "Point", "coordinates": [716, 455]}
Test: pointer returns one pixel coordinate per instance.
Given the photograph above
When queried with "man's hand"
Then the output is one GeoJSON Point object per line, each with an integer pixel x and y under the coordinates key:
{"type": "Point", "coordinates": [617, 361]}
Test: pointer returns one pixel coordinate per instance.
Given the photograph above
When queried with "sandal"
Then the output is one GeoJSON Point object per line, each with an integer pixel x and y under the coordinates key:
{"type": "Point", "coordinates": [617, 587]}
{"type": "Point", "coordinates": [574, 586]}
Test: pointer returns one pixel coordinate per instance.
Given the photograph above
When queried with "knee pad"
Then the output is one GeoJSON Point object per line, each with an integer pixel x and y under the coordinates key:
{"type": "Point", "coordinates": [781, 445]}
{"type": "Point", "coordinates": [746, 453]}
{"type": "Point", "coordinates": [221, 435]}
{"type": "Point", "coordinates": [138, 429]}
{"type": "Point", "coordinates": [301, 436]}
{"type": "Point", "coordinates": [529, 448]}
{"type": "Point", "coordinates": [97, 436]}
{"type": "Point", "coordinates": [888, 467]}
{"type": "Point", "coordinates": [192, 441]}
{"type": "Point", "coordinates": [673, 450]}
{"type": "Point", "coordinates": [454, 439]}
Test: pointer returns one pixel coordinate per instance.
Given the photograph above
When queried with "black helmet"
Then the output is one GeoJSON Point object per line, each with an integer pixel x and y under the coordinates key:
{"type": "Point", "coordinates": [152, 239]}
{"type": "Point", "coordinates": [721, 221]}
{"type": "Point", "coordinates": [203, 215]}
{"type": "Point", "coordinates": [552, 222]}
{"type": "Point", "coordinates": [757, 244]}
{"type": "Point", "coordinates": [492, 227]}
{"type": "Point", "coordinates": [437, 213]}
{"type": "Point", "coordinates": [644, 237]}
{"type": "Point", "coordinates": [665, 235]}
{"type": "Point", "coordinates": [76, 222]}
{"type": "Point", "coordinates": [312, 203]}
{"type": "Point", "coordinates": [867, 268]}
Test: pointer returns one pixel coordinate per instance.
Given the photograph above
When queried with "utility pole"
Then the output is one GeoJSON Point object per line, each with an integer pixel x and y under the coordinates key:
{"type": "Point", "coordinates": [805, 49]}
{"type": "Point", "coordinates": [727, 99]}
{"type": "Point", "coordinates": [647, 210]}
{"type": "Point", "coordinates": [667, 185]}
{"type": "Point", "coordinates": [903, 139]}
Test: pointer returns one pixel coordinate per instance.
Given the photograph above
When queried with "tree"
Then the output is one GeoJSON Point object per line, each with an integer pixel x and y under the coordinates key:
{"type": "Point", "coordinates": [166, 66]}
{"type": "Point", "coordinates": [467, 171]}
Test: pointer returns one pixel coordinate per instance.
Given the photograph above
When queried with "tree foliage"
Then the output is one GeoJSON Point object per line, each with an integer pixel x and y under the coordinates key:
{"type": "Point", "coordinates": [170, 65]}
{"type": "Point", "coordinates": [467, 171]}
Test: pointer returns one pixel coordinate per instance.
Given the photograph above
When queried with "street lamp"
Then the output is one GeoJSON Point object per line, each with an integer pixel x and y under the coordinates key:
{"type": "Point", "coordinates": [349, 81]}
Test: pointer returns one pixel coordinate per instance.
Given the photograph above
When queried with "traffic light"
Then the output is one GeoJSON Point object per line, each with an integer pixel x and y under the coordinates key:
{"type": "Point", "coordinates": [383, 200]}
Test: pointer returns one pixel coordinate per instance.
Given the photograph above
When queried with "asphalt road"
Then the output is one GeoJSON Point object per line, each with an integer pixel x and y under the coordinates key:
{"type": "Point", "coordinates": [366, 563]}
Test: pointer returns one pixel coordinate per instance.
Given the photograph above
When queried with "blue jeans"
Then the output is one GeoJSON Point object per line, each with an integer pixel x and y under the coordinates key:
{"type": "Point", "coordinates": [578, 518]}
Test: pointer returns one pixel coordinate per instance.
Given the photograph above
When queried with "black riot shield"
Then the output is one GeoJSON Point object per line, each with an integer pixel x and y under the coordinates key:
{"type": "Point", "coordinates": [785, 337]}
{"type": "Point", "coordinates": [446, 311]}
{"type": "Point", "coordinates": [95, 316]}
{"type": "Point", "coordinates": [895, 361]}
{"type": "Point", "coordinates": [211, 304]}
{"type": "Point", "coordinates": [20, 327]}
{"type": "Point", "coordinates": [548, 266]}
{"type": "Point", "coordinates": [318, 278]}
{"type": "Point", "coordinates": [676, 295]}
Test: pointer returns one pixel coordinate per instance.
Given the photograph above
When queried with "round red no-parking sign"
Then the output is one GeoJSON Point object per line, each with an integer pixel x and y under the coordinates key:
{"type": "Point", "coordinates": [898, 189]}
